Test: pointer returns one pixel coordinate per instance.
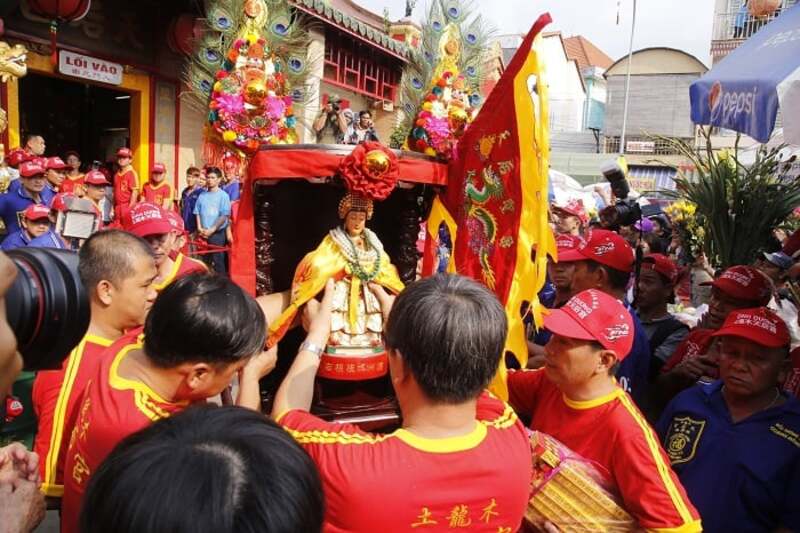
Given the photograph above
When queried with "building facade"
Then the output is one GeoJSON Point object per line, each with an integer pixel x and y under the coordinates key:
{"type": "Point", "coordinates": [734, 24]}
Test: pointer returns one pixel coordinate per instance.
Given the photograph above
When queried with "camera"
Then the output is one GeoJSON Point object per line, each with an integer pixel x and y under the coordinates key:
{"type": "Point", "coordinates": [47, 307]}
{"type": "Point", "coordinates": [626, 211]}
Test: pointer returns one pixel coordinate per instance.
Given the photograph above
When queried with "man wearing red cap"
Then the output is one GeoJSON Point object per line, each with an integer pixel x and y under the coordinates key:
{"type": "Point", "coordinates": [184, 265]}
{"type": "Point", "coordinates": [35, 222]}
{"type": "Point", "coordinates": [657, 289]}
{"type": "Point", "coordinates": [157, 191]}
{"type": "Point", "coordinates": [96, 183]}
{"type": "Point", "coordinates": [571, 218]}
{"type": "Point", "coordinates": [575, 399]}
{"type": "Point", "coordinates": [32, 190]}
{"type": "Point", "coordinates": [739, 287]}
{"type": "Point", "coordinates": [604, 262]}
{"type": "Point", "coordinates": [735, 443]}
{"type": "Point", "coordinates": [51, 238]}
{"type": "Point", "coordinates": [126, 185]}
{"type": "Point", "coordinates": [55, 173]}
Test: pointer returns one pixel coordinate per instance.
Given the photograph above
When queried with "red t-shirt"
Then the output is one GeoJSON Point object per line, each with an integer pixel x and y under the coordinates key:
{"type": "Point", "coordinates": [72, 185]}
{"type": "Point", "coordinates": [111, 408]}
{"type": "Point", "coordinates": [156, 194]}
{"type": "Point", "coordinates": [55, 396]}
{"type": "Point", "coordinates": [613, 433]}
{"type": "Point", "coordinates": [697, 342]}
{"type": "Point", "coordinates": [182, 266]}
{"type": "Point", "coordinates": [402, 482]}
{"type": "Point", "coordinates": [124, 184]}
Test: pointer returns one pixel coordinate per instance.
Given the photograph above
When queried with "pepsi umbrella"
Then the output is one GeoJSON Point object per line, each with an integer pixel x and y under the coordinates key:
{"type": "Point", "coordinates": [744, 91]}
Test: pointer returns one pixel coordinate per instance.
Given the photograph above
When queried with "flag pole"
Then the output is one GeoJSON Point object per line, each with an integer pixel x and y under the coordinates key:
{"type": "Point", "coordinates": [627, 85]}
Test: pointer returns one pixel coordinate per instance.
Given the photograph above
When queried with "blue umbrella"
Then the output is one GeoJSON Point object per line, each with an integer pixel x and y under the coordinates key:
{"type": "Point", "coordinates": [744, 91]}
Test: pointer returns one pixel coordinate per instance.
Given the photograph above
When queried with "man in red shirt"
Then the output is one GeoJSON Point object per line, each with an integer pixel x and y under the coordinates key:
{"type": "Point", "coordinates": [126, 185]}
{"type": "Point", "coordinates": [575, 399]}
{"type": "Point", "coordinates": [118, 270]}
{"type": "Point", "coordinates": [739, 287]}
{"type": "Point", "coordinates": [157, 191]}
{"type": "Point", "coordinates": [186, 265]}
{"type": "Point", "coordinates": [461, 459]}
{"type": "Point", "coordinates": [201, 331]}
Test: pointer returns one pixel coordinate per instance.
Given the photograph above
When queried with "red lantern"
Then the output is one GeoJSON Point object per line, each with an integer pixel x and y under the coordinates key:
{"type": "Point", "coordinates": [183, 30]}
{"type": "Point", "coordinates": [59, 11]}
{"type": "Point", "coordinates": [763, 8]}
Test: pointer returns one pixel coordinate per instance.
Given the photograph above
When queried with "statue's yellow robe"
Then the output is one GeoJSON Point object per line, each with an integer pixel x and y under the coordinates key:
{"type": "Point", "coordinates": [314, 271]}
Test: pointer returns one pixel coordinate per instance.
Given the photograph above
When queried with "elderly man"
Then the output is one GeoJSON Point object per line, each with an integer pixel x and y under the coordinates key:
{"type": "Point", "coordinates": [735, 443]}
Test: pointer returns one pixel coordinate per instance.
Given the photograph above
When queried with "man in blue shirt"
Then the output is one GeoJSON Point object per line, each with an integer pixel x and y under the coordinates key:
{"type": "Point", "coordinates": [32, 190]}
{"type": "Point", "coordinates": [604, 262]}
{"type": "Point", "coordinates": [195, 186]}
{"type": "Point", "coordinates": [35, 222]}
{"type": "Point", "coordinates": [212, 210]}
{"type": "Point", "coordinates": [735, 443]}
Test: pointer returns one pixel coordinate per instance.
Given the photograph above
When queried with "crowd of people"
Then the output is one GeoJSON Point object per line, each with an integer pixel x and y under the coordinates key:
{"type": "Point", "coordinates": [44, 190]}
{"type": "Point", "coordinates": [695, 424]}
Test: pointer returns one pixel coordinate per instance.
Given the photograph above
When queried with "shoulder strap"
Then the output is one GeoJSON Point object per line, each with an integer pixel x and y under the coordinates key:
{"type": "Point", "coordinates": [664, 330]}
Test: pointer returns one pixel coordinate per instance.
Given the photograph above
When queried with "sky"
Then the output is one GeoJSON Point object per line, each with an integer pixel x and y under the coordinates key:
{"type": "Point", "coordinates": [682, 24]}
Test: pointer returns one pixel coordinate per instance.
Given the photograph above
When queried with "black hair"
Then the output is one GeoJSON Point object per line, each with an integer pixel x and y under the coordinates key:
{"type": "Point", "coordinates": [207, 470]}
{"type": "Point", "coordinates": [29, 137]}
{"type": "Point", "coordinates": [365, 112]}
{"type": "Point", "coordinates": [616, 278]}
{"type": "Point", "coordinates": [110, 255]}
{"type": "Point", "coordinates": [655, 243]}
{"type": "Point", "coordinates": [203, 318]}
{"type": "Point", "coordinates": [214, 170]}
{"type": "Point", "coordinates": [450, 332]}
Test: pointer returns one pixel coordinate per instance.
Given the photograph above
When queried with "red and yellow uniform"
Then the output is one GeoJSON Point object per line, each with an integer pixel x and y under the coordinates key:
{"type": "Point", "coordinates": [698, 342]}
{"type": "Point", "coordinates": [182, 266]}
{"type": "Point", "coordinates": [402, 482]}
{"type": "Point", "coordinates": [157, 193]}
{"type": "Point", "coordinates": [111, 408]}
{"type": "Point", "coordinates": [125, 182]}
{"type": "Point", "coordinates": [73, 185]}
{"type": "Point", "coordinates": [611, 432]}
{"type": "Point", "coordinates": [55, 397]}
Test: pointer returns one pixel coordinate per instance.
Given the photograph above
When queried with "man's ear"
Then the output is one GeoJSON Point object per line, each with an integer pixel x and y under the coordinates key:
{"type": "Point", "coordinates": [105, 291]}
{"type": "Point", "coordinates": [197, 374]}
{"type": "Point", "coordinates": [600, 277]}
{"type": "Point", "coordinates": [606, 361]}
{"type": "Point", "coordinates": [397, 366]}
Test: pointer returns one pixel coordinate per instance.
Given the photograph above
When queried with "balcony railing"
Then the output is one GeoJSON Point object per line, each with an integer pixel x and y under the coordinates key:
{"type": "Point", "coordinates": [734, 27]}
{"type": "Point", "coordinates": [641, 146]}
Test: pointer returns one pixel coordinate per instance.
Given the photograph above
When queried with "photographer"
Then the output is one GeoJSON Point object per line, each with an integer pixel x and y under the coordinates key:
{"type": "Point", "coordinates": [22, 505]}
{"type": "Point", "coordinates": [331, 123]}
{"type": "Point", "coordinates": [361, 131]}
{"type": "Point", "coordinates": [118, 270]}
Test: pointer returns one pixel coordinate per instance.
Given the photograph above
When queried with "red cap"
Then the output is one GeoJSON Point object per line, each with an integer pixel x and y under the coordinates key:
{"type": "Point", "coordinates": [604, 247]}
{"type": "Point", "coordinates": [37, 212]}
{"type": "Point", "coordinates": [55, 163]}
{"type": "Point", "coordinates": [175, 221]}
{"type": "Point", "coordinates": [575, 208]}
{"type": "Point", "coordinates": [124, 152]}
{"type": "Point", "coordinates": [61, 201]}
{"type": "Point", "coordinates": [159, 168]}
{"type": "Point", "coordinates": [759, 325]}
{"type": "Point", "coordinates": [95, 177]}
{"type": "Point", "coordinates": [596, 316]}
{"type": "Point", "coordinates": [564, 242]}
{"type": "Point", "coordinates": [661, 264]}
{"type": "Point", "coordinates": [31, 168]}
{"type": "Point", "coordinates": [148, 219]}
{"type": "Point", "coordinates": [744, 283]}
{"type": "Point", "coordinates": [17, 156]}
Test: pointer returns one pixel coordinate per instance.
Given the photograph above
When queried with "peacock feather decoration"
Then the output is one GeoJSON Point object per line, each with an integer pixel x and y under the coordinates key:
{"type": "Point", "coordinates": [440, 89]}
{"type": "Point", "coordinates": [249, 71]}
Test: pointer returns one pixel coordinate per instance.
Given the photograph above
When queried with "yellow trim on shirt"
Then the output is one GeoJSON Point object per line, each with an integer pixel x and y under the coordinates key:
{"type": "Point", "coordinates": [334, 437]}
{"type": "Point", "coordinates": [589, 404]}
{"type": "Point", "coordinates": [176, 265]}
{"type": "Point", "coordinates": [49, 485]}
{"type": "Point", "coordinates": [661, 465]}
{"type": "Point", "coordinates": [446, 445]}
{"type": "Point", "coordinates": [504, 421]}
{"type": "Point", "coordinates": [142, 393]}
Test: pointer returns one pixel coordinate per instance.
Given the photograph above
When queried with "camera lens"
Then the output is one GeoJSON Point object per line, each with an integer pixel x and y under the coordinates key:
{"type": "Point", "coordinates": [47, 306]}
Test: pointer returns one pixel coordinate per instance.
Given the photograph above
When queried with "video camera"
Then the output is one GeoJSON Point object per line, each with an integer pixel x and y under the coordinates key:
{"type": "Point", "coordinates": [626, 211]}
{"type": "Point", "coordinates": [47, 307]}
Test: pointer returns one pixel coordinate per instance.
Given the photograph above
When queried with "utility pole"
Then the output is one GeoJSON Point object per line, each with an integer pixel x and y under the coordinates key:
{"type": "Point", "coordinates": [627, 85]}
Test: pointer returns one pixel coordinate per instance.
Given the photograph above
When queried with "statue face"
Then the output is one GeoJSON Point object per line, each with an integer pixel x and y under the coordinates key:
{"type": "Point", "coordinates": [355, 222]}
